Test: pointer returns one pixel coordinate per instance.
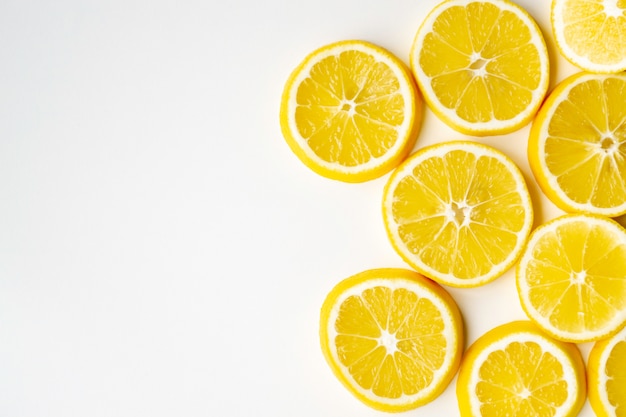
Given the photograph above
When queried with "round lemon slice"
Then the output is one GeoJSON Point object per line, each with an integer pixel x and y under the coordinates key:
{"type": "Point", "coordinates": [515, 370]}
{"type": "Point", "coordinates": [577, 144]}
{"type": "Point", "coordinates": [392, 337]}
{"type": "Point", "coordinates": [606, 374]}
{"type": "Point", "coordinates": [571, 279]}
{"type": "Point", "coordinates": [351, 111]}
{"type": "Point", "coordinates": [482, 65]}
{"type": "Point", "coordinates": [590, 34]}
{"type": "Point", "coordinates": [459, 212]}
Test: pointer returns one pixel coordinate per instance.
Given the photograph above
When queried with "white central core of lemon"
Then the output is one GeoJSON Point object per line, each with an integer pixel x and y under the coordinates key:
{"type": "Point", "coordinates": [459, 213]}
{"type": "Point", "coordinates": [579, 277]}
{"type": "Point", "coordinates": [478, 65]}
{"type": "Point", "coordinates": [388, 341]}
{"type": "Point", "coordinates": [525, 393]}
{"type": "Point", "coordinates": [612, 9]}
{"type": "Point", "coordinates": [348, 106]}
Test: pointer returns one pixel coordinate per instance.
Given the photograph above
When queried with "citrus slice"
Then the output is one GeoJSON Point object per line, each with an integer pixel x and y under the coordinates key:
{"type": "Point", "coordinates": [482, 65]}
{"type": "Point", "coordinates": [606, 373]}
{"type": "Point", "coordinates": [392, 337]}
{"type": "Point", "coordinates": [350, 111]}
{"type": "Point", "coordinates": [515, 370]}
{"type": "Point", "coordinates": [590, 33]}
{"type": "Point", "coordinates": [571, 279]}
{"type": "Point", "coordinates": [459, 212]}
{"type": "Point", "coordinates": [577, 144]}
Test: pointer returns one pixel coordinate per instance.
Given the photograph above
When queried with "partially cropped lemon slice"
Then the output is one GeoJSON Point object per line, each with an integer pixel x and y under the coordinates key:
{"type": "Point", "coordinates": [350, 111]}
{"type": "Point", "coordinates": [577, 144]}
{"type": "Point", "coordinates": [392, 337]}
{"type": "Point", "coordinates": [606, 373]}
{"type": "Point", "coordinates": [591, 33]}
{"type": "Point", "coordinates": [515, 370]}
{"type": "Point", "coordinates": [458, 212]}
{"type": "Point", "coordinates": [482, 65]}
{"type": "Point", "coordinates": [571, 278]}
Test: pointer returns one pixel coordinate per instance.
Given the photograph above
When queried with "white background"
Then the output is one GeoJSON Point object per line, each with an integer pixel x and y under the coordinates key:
{"type": "Point", "coordinates": [162, 252]}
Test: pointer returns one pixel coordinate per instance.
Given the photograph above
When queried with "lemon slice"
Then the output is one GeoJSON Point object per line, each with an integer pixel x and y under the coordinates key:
{"type": "Point", "coordinates": [350, 111]}
{"type": "Point", "coordinates": [590, 34]}
{"type": "Point", "coordinates": [606, 374]}
{"type": "Point", "coordinates": [571, 279]}
{"type": "Point", "coordinates": [515, 370]}
{"type": "Point", "coordinates": [392, 337]}
{"type": "Point", "coordinates": [459, 212]}
{"type": "Point", "coordinates": [577, 144]}
{"type": "Point", "coordinates": [482, 65]}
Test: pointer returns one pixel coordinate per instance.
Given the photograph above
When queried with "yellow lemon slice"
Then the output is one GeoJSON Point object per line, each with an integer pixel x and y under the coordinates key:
{"type": "Point", "coordinates": [606, 374]}
{"type": "Point", "coordinates": [515, 370]}
{"type": "Point", "coordinates": [350, 111]}
{"type": "Point", "coordinates": [458, 212]}
{"type": "Point", "coordinates": [482, 65]}
{"type": "Point", "coordinates": [577, 144]}
{"type": "Point", "coordinates": [590, 34]}
{"type": "Point", "coordinates": [392, 337]}
{"type": "Point", "coordinates": [571, 278]}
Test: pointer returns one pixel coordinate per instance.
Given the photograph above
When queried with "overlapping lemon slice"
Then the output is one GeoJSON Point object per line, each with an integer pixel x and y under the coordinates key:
{"type": "Point", "coordinates": [606, 374]}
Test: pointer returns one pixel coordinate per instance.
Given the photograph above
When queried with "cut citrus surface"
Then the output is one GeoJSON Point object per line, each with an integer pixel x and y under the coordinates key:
{"type": "Point", "coordinates": [392, 337]}
{"type": "Point", "coordinates": [459, 212]}
{"type": "Point", "coordinates": [591, 33]}
{"type": "Point", "coordinates": [606, 373]}
{"type": "Point", "coordinates": [350, 111]}
{"type": "Point", "coordinates": [577, 144]}
{"type": "Point", "coordinates": [515, 370]}
{"type": "Point", "coordinates": [571, 278]}
{"type": "Point", "coordinates": [482, 65]}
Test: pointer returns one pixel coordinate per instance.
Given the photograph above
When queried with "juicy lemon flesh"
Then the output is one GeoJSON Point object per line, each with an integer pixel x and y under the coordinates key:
{"type": "Point", "coordinates": [349, 108]}
{"type": "Point", "coordinates": [589, 25]}
{"type": "Point", "coordinates": [521, 380]}
{"type": "Point", "coordinates": [616, 378]}
{"type": "Point", "coordinates": [463, 220]}
{"type": "Point", "coordinates": [481, 62]}
{"type": "Point", "coordinates": [577, 277]}
{"type": "Point", "coordinates": [586, 144]}
{"type": "Point", "coordinates": [390, 340]}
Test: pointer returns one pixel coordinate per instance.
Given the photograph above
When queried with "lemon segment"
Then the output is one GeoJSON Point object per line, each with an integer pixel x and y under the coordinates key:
{"type": "Point", "coordinates": [482, 65]}
{"type": "Point", "coordinates": [459, 212]}
{"type": "Point", "coordinates": [606, 373]}
{"type": "Point", "coordinates": [590, 34]}
{"type": "Point", "coordinates": [577, 144]}
{"type": "Point", "coordinates": [571, 278]}
{"type": "Point", "coordinates": [392, 337]}
{"type": "Point", "coordinates": [351, 111]}
{"type": "Point", "coordinates": [515, 370]}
